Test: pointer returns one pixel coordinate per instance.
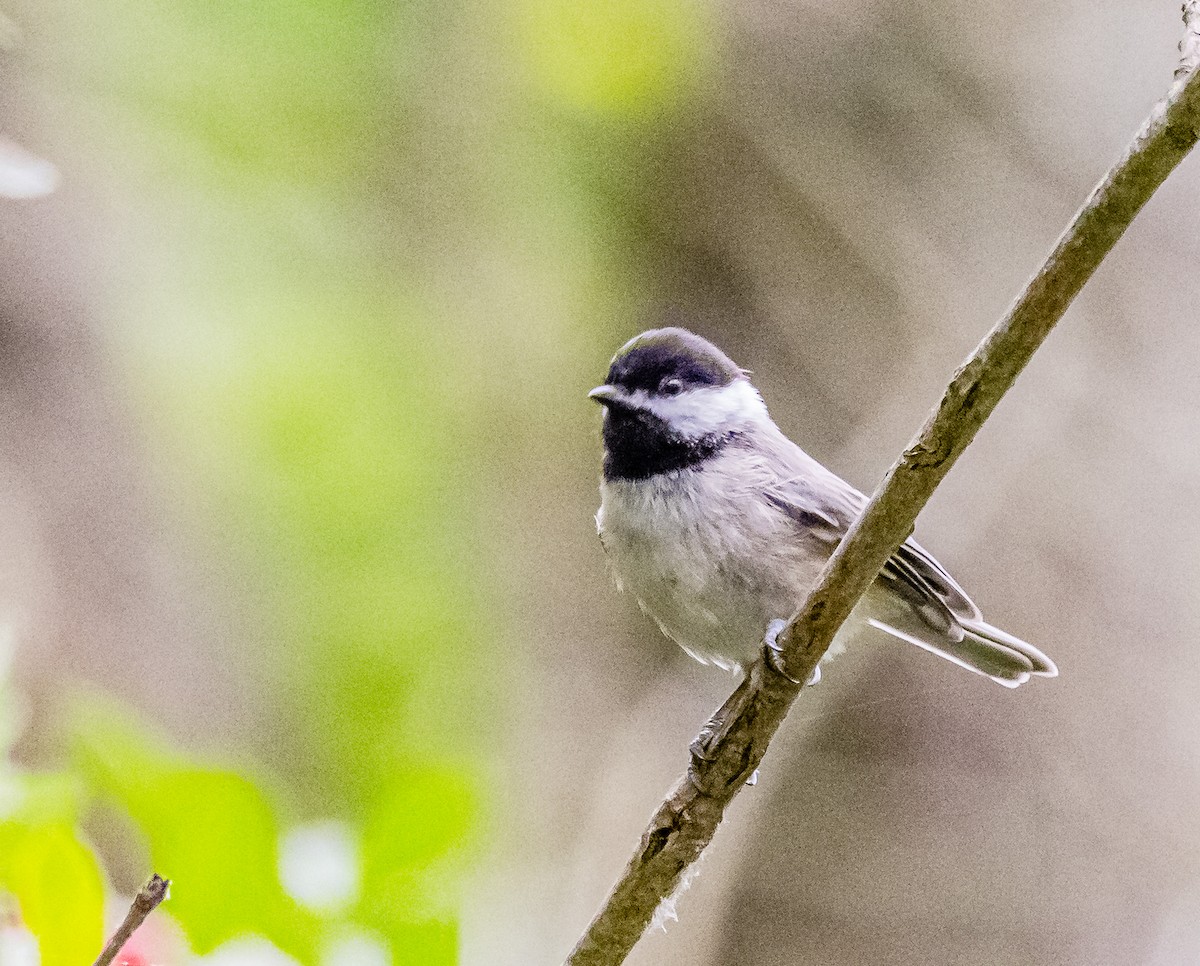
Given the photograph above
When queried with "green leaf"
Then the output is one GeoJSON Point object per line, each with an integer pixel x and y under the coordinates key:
{"type": "Point", "coordinates": [415, 837]}
{"type": "Point", "coordinates": [424, 944]}
{"type": "Point", "coordinates": [58, 886]}
{"type": "Point", "coordinates": [416, 817]}
{"type": "Point", "coordinates": [212, 831]}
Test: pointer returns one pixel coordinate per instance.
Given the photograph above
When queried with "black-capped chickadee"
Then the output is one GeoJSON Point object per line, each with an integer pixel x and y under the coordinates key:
{"type": "Point", "coordinates": [719, 524]}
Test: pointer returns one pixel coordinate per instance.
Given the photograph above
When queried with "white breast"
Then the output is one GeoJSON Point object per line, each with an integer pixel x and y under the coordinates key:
{"type": "Point", "coordinates": [705, 555]}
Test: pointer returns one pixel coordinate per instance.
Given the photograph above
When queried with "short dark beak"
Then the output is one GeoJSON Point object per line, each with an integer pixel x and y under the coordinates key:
{"type": "Point", "coordinates": [605, 395]}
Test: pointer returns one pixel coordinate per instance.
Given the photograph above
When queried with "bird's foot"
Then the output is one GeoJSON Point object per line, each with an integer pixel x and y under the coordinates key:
{"type": "Point", "coordinates": [703, 748]}
{"type": "Point", "coordinates": [773, 655]}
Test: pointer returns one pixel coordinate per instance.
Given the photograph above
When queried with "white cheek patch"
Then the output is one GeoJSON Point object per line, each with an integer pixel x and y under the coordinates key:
{"type": "Point", "coordinates": [702, 412]}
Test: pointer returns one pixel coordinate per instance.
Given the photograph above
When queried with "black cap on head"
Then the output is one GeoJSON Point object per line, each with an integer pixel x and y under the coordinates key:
{"type": "Point", "coordinates": [649, 360]}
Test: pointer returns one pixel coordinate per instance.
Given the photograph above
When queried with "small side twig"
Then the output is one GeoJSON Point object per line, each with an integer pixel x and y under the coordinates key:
{"type": "Point", "coordinates": [1189, 47]}
{"type": "Point", "coordinates": [144, 903]}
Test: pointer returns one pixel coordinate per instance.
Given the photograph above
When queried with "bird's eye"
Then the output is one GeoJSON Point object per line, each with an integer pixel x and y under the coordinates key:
{"type": "Point", "coordinates": [671, 387]}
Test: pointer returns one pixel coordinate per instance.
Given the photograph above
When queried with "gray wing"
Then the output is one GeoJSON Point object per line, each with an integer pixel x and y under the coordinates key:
{"type": "Point", "coordinates": [823, 506]}
{"type": "Point", "coordinates": [825, 509]}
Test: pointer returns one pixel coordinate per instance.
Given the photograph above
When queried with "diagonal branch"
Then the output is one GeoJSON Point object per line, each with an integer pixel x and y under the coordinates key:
{"type": "Point", "coordinates": [737, 738]}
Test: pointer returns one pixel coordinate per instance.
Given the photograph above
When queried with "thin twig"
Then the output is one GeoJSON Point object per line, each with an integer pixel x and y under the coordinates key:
{"type": "Point", "coordinates": [1189, 47]}
{"type": "Point", "coordinates": [738, 735]}
{"type": "Point", "coordinates": [144, 903]}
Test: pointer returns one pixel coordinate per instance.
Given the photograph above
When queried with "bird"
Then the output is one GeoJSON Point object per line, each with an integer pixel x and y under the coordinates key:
{"type": "Point", "coordinates": [718, 524]}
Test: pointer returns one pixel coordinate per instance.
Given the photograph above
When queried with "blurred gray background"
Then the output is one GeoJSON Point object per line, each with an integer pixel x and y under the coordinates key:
{"type": "Point", "coordinates": [844, 196]}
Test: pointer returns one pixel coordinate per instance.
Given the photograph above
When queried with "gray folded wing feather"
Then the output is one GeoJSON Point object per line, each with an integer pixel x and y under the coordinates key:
{"type": "Point", "coordinates": [825, 512]}
{"type": "Point", "coordinates": [823, 507]}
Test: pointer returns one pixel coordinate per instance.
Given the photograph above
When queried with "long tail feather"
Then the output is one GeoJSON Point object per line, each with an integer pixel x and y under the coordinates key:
{"type": "Point", "coordinates": [984, 649]}
{"type": "Point", "coordinates": [1042, 665]}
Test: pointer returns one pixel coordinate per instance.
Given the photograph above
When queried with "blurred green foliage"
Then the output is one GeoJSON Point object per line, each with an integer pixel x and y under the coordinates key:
{"type": "Point", "coordinates": [214, 829]}
{"type": "Point", "coordinates": [620, 57]}
{"type": "Point", "coordinates": [58, 887]}
{"type": "Point", "coordinates": [273, 314]}
{"type": "Point", "coordinates": [43, 864]}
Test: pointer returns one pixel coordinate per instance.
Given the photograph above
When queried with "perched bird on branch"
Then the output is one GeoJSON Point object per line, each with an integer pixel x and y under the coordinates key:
{"type": "Point", "coordinates": [719, 524]}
